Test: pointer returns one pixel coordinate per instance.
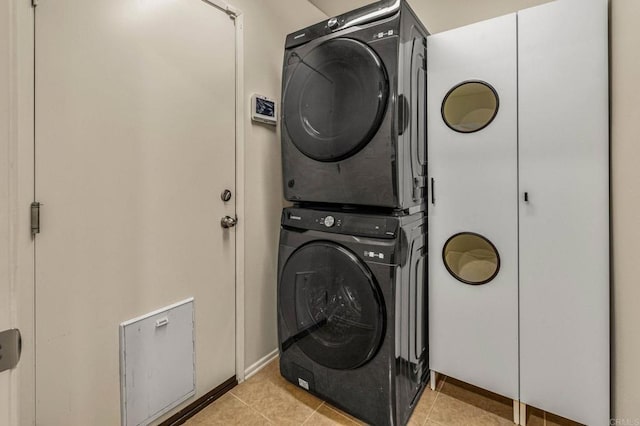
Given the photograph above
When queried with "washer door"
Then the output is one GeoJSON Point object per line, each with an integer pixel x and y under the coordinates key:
{"type": "Point", "coordinates": [331, 306]}
{"type": "Point", "coordinates": [335, 99]}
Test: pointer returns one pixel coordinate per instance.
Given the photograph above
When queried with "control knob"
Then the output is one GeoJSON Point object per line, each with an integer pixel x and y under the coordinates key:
{"type": "Point", "coordinates": [329, 221]}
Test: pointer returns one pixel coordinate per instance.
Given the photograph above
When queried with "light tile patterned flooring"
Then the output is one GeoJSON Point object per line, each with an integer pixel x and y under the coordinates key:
{"type": "Point", "coordinates": [268, 399]}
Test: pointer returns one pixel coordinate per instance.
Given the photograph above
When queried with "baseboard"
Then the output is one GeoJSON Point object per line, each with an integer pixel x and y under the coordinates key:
{"type": "Point", "coordinates": [192, 409]}
{"type": "Point", "coordinates": [260, 364]}
{"type": "Point", "coordinates": [196, 406]}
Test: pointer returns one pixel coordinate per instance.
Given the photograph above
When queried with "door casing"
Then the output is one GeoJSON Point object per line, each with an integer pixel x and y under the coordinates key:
{"type": "Point", "coordinates": [17, 168]}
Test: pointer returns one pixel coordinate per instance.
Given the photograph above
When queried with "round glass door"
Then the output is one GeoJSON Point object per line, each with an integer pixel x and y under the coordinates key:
{"type": "Point", "coordinates": [331, 305]}
{"type": "Point", "coordinates": [335, 98]}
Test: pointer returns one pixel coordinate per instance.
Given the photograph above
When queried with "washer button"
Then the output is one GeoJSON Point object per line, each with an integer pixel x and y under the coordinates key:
{"type": "Point", "coordinates": [329, 221]}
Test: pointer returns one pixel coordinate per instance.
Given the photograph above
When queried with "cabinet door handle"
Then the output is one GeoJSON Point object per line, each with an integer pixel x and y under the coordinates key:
{"type": "Point", "coordinates": [526, 197]}
{"type": "Point", "coordinates": [162, 322]}
{"type": "Point", "coordinates": [433, 195]}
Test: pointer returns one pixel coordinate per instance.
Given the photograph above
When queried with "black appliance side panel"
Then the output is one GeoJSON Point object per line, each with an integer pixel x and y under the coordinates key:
{"type": "Point", "coordinates": [412, 140]}
{"type": "Point", "coordinates": [411, 356]}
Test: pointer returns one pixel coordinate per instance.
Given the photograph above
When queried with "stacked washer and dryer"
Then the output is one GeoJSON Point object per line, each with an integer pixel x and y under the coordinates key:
{"type": "Point", "coordinates": [352, 259]}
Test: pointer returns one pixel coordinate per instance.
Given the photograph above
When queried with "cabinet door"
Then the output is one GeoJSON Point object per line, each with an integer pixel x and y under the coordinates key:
{"type": "Point", "coordinates": [473, 244]}
{"type": "Point", "coordinates": [564, 226]}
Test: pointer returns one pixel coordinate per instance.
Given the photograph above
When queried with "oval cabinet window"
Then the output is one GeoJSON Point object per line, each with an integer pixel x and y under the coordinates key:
{"type": "Point", "coordinates": [471, 258]}
{"type": "Point", "coordinates": [470, 106]}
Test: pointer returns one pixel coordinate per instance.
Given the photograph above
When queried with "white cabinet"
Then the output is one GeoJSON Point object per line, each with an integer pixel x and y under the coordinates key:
{"type": "Point", "coordinates": [564, 226]}
{"type": "Point", "coordinates": [473, 326]}
{"type": "Point", "coordinates": [519, 304]}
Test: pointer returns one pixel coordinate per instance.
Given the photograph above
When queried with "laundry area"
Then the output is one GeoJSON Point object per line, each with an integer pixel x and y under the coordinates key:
{"type": "Point", "coordinates": [319, 212]}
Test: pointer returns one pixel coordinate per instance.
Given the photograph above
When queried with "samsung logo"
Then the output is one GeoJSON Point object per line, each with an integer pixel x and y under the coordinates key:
{"type": "Point", "coordinates": [299, 36]}
{"type": "Point", "coordinates": [295, 217]}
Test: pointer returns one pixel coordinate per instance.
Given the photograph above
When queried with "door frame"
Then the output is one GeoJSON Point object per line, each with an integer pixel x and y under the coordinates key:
{"type": "Point", "coordinates": [238, 17]}
{"type": "Point", "coordinates": [21, 172]}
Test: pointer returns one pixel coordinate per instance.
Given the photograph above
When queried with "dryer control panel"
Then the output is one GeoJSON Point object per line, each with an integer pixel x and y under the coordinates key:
{"type": "Point", "coordinates": [366, 14]}
{"type": "Point", "coordinates": [341, 223]}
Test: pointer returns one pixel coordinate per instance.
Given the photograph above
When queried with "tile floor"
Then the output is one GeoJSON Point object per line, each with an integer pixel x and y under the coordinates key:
{"type": "Point", "coordinates": [268, 399]}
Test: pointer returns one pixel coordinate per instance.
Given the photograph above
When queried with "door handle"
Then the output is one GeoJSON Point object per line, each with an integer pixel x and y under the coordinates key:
{"type": "Point", "coordinates": [433, 191]}
{"type": "Point", "coordinates": [403, 114]}
{"type": "Point", "coordinates": [228, 222]}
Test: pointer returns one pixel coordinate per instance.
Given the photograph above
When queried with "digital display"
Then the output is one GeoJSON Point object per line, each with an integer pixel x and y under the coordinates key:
{"type": "Point", "coordinates": [359, 226]}
{"type": "Point", "coordinates": [265, 107]}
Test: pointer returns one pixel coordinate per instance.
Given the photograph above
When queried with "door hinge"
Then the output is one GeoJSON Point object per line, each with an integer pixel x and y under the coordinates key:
{"type": "Point", "coordinates": [35, 218]}
{"type": "Point", "coordinates": [10, 349]}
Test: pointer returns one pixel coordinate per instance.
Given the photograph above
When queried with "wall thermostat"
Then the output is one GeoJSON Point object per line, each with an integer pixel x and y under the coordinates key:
{"type": "Point", "coordinates": [263, 109]}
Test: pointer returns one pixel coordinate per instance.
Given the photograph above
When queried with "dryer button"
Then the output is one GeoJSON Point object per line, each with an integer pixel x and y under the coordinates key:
{"type": "Point", "coordinates": [332, 23]}
{"type": "Point", "coordinates": [329, 221]}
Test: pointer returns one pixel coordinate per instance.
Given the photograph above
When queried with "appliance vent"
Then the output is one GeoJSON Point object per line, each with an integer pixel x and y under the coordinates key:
{"type": "Point", "coordinates": [157, 363]}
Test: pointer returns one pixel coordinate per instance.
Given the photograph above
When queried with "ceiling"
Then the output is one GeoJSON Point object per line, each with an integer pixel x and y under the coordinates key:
{"type": "Point", "coordinates": [439, 15]}
{"type": "Point", "coordinates": [337, 7]}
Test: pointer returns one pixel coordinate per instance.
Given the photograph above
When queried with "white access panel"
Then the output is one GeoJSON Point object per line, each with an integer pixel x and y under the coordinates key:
{"type": "Point", "coordinates": [564, 228]}
{"type": "Point", "coordinates": [157, 363]}
{"type": "Point", "coordinates": [473, 329]}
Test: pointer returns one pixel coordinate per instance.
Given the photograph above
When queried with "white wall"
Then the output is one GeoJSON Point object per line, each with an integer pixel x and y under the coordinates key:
{"type": "Point", "coordinates": [442, 15]}
{"type": "Point", "coordinates": [5, 286]}
{"type": "Point", "coordinates": [266, 23]}
{"type": "Point", "coordinates": [625, 153]}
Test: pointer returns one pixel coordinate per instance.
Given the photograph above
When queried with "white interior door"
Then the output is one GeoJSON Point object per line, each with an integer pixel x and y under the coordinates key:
{"type": "Point", "coordinates": [473, 225]}
{"type": "Point", "coordinates": [564, 226]}
{"type": "Point", "coordinates": [135, 141]}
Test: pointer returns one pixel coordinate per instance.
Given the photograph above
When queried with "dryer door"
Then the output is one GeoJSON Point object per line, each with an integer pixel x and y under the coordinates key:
{"type": "Point", "coordinates": [331, 306]}
{"type": "Point", "coordinates": [334, 98]}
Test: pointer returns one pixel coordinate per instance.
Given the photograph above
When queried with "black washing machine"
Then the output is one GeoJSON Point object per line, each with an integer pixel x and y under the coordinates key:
{"type": "Point", "coordinates": [353, 109]}
{"type": "Point", "coordinates": [352, 310]}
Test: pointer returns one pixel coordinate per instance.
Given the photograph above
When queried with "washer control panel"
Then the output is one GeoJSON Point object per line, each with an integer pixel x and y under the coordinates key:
{"type": "Point", "coordinates": [341, 223]}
